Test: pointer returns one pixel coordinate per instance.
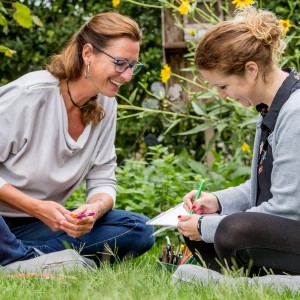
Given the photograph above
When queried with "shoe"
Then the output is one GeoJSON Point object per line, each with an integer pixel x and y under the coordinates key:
{"type": "Point", "coordinates": [193, 274]}
{"type": "Point", "coordinates": [56, 262]}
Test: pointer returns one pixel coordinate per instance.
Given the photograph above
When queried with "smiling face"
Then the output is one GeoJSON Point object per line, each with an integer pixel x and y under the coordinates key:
{"type": "Point", "coordinates": [103, 77]}
{"type": "Point", "coordinates": [243, 89]}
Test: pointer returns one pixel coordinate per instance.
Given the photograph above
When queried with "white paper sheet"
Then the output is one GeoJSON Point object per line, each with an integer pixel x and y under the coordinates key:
{"type": "Point", "coordinates": [169, 217]}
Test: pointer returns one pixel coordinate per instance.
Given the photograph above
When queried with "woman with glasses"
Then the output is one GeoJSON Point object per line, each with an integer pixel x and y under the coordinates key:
{"type": "Point", "coordinates": [57, 129]}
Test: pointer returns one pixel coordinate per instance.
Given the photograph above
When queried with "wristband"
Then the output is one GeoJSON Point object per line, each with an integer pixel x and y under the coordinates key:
{"type": "Point", "coordinates": [199, 226]}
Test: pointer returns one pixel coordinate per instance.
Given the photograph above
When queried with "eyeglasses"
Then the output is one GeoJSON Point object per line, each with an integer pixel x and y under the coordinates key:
{"type": "Point", "coordinates": [122, 65]}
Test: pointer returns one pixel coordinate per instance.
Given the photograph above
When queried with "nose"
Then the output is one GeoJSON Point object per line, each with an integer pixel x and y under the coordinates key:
{"type": "Point", "coordinates": [127, 74]}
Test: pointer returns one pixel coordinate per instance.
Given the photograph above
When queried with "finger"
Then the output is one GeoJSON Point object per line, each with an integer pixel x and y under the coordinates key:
{"type": "Point", "coordinates": [184, 218]}
{"type": "Point", "coordinates": [85, 222]}
{"type": "Point", "coordinates": [195, 238]}
{"type": "Point", "coordinates": [75, 230]}
{"type": "Point", "coordinates": [63, 210]}
{"type": "Point", "coordinates": [186, 207]}
{"type": "Point", "coordinates": [181, 231]}
{"type": "Point", "coordinates": [200, 210]}
{"type": "Point", "coordinates": [187, 203]}
{"type": "Point", "coordinates": [72, 233]}
{"type": "Point", "coordinates": [179, 227]}
{"type": "Point", "coordinates": [191, 195]}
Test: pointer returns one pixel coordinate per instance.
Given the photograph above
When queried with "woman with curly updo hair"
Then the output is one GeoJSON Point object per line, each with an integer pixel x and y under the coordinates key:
{"type": "Point", "coordinates": [255, 225]}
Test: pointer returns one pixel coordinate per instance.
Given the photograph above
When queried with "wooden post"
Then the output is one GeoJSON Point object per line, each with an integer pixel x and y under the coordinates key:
{"type": "Point", "coordinates": [175, 47]}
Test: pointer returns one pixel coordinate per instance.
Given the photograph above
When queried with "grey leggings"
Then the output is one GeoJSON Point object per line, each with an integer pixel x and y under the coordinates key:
{"type": "Point", "coordinates": [267, 241]}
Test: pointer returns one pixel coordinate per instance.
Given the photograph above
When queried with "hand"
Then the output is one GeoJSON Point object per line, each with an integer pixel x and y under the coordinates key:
{"type": "Point", "coordinates": [78, 227]}
{"type": "Point", "coordinates": [187, 226]}
{"type": "Point", "coordinates": [51, 213]}
{"type": "Point", "coordinates": [208, 203]}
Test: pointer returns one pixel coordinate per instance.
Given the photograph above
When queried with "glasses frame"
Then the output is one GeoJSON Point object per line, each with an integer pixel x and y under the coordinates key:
{"type": "Point", "coordinates": [118, 61]}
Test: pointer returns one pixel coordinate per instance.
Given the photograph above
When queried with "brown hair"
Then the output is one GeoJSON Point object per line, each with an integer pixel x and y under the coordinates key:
{"type": "Point", "coordinates": [99, 31]}
{"type": "Point", "coordinates": [252, 35]}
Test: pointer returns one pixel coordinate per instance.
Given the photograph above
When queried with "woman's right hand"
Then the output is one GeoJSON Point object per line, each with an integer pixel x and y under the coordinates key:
{"type": "Point", "coordinates": [207, 204]}
{"type": "Point", "coordinates": [51, 213]}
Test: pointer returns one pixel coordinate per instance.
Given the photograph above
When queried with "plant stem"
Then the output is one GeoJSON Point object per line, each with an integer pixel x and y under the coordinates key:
{"type": "Point", "coordinates": [144, 4]}
{"type": "Point", "coordinates": [163, 112]}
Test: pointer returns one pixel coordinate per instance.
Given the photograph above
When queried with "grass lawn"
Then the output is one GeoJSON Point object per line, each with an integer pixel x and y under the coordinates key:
{"type": "Point", "coordinates": [135, 279]}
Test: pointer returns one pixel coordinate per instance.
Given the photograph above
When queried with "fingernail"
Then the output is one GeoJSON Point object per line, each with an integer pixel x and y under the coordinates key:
{"type": "Point", "coordinates": [179, 217]}
{"type": "Point", "coordinates": [194, 207]}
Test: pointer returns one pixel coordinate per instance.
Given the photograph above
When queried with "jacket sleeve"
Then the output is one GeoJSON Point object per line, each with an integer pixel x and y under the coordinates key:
{"type": "Point", "coordinates": [232, 200]}
{"type": "Point", "coordinates": [17, 119]}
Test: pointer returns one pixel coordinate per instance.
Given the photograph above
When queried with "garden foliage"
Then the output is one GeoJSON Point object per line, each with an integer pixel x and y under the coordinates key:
{"type": "Point", "coordinates": [161, 146]}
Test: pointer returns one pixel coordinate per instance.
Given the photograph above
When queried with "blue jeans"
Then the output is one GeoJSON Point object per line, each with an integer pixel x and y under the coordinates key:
{"type": "Point", "coordinates": [116, 236]}
{"type": "Point", "coordinates": [12, 249]}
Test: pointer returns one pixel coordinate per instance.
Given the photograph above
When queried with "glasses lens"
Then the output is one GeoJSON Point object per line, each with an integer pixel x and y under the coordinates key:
{"type": "Point", "coordinates": [121, 66]}
{"type": "Point", "coordinates": [136, 68]}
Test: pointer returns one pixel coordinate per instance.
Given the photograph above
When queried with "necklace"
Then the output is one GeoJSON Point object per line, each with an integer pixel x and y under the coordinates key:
{"type": "Point", "coordinates": [80, 107]}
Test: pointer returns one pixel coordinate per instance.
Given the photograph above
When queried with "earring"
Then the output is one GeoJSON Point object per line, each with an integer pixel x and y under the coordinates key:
{"type": "Point", "coordinates": [87, 71]}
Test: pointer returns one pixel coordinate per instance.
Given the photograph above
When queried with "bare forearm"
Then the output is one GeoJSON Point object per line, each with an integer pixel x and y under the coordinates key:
{"type": "Point", "coordinates": [16, 199]}
{"type": "Point", "coordinates": [102, 203]}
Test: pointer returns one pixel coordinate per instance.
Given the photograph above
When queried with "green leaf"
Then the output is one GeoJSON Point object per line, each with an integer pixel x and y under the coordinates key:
{"type": "Point", "coordinates": [22, 15]}
{"type": "Point", "coordinates": [240, 171]}
{"type": "Point", "coordinates": [221, 127]}
{"type": "Point", "coordinates": [132, 95]}
{"type": "Point", "coordinates": [2, 8]}
{"type": "Point", "coordinates": [3, 21]}
{"type": "Point", "coordinates": [3, 48]}
{"type": "Point", "coordinates": [172, 126]}
{"type": "Point", "coordinates": [198, 109]}
{"type": "Point", "coordinates": [219, 110]}
{"type": "Point", "coordinates": [199, 128]}
{"type": "Point", "coordinates": [8, 52]}
{"type": "Point", "coordinates": [37, 21]}
{"type": "Point", "coordinates": [249, 122]}
{"type": "Point", "coordinates": [21, 8]}
{"type": "Point", "coordinates": [5, 29]}
{"type": "Point", "coordinates": [198, 167]}
{"type": "Point", "coordinates": [206, 95]}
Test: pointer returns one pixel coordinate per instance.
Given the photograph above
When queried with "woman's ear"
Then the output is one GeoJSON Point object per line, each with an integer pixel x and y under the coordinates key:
{"type": "Point", "coordinates": [87, 52]}
{"type": "Point", "coordinates": [251, 70]}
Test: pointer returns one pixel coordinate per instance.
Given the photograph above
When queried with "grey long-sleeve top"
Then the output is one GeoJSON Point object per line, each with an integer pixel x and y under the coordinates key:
{"type": "Point", "coordinates": [285, 177]}
{"type": "Point", "coordinates": [37, 154]}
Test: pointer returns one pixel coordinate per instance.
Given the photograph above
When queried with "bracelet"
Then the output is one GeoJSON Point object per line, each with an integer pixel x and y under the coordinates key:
{"type": "Point", "coordinates": [199, 226]}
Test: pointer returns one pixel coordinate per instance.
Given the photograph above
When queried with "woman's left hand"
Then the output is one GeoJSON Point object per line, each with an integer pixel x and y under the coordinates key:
{"type": "Point", "coordinates": [187, 226]}
{"type": "Point", "coordinates": [76, 227]}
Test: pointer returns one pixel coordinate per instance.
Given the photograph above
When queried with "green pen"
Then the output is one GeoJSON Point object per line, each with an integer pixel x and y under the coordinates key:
{"type": "Point", "coordinates": [198, 194]}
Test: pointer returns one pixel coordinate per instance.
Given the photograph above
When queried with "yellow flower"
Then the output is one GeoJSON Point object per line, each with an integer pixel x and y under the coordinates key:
{"type": "Point", "coordinates": [165, 73]}
{"type": "Point", "coordinates": [184, 7]}
{"type": "Point", "coordinates": [286, 25]}
{"type": "Point", "coordinates": [192, 32]}
{"type": "Point", "coordinates": [242, 3]}
{"type": "Point", "coordinates": [245, 148]}
{"type": "Point", "coordinates": [9, 53]}
{"type": "Point", "coordinates": [115, 3]}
